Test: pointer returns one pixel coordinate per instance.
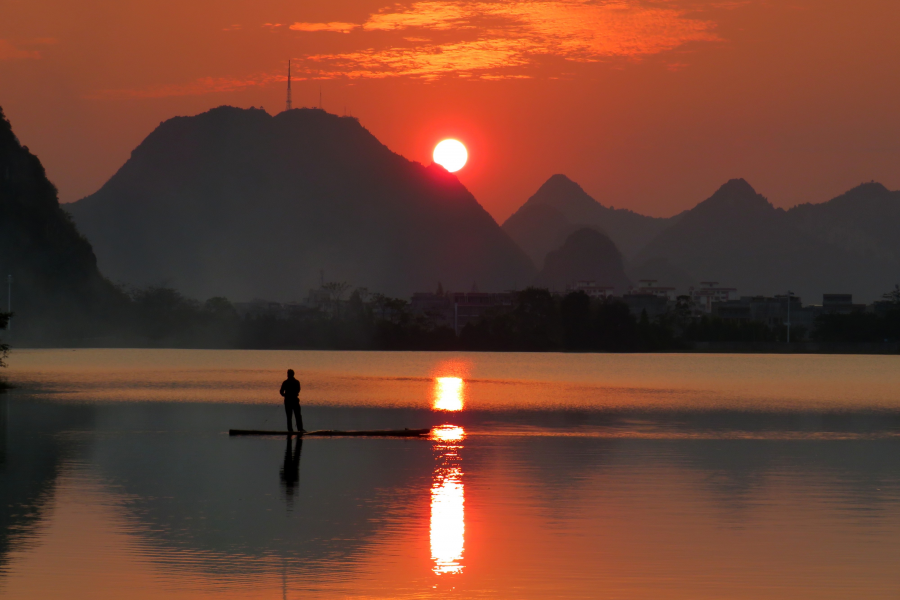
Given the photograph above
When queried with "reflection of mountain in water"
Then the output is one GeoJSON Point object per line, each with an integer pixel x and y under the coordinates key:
{"type": "Point", "coordinates": [860, 467]}
{"type": "Point", "coordinates": [204, 503]}
{"type": "Point", "coordinates": [193, 488]}
{"type": "Point", "coordinates": [863, 474]}
{"type": "Point", "coordinates": [32, 455]}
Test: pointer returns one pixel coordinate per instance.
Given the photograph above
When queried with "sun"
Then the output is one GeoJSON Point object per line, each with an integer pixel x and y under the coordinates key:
{"type": "Point", "coordinates": [451, 155]}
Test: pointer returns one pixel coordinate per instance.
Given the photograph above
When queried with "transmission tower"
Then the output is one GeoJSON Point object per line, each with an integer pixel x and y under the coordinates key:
{"type": "Point", "coordinates": [289, 105]}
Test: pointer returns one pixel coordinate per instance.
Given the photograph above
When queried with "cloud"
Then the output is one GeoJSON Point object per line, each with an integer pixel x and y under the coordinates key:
{"type": "Point", "coordinates": [428, 62]}
{"type": "Point", "coordinates": [477, 39]}
{"type": "Point", "coordinates": [495, 39]}
{"type": "Point", "coordinates": [333, 27]}
{"type": "Point", "coordinates": [588, 31]}
{"type": "Point", "coordinates": [426, 15]}
{"type": "Point", "coordinates": [9, 51]}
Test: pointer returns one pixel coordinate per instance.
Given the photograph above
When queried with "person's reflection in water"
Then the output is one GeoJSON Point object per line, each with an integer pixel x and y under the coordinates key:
{"type": "Point", "coordinates": [290, 470]}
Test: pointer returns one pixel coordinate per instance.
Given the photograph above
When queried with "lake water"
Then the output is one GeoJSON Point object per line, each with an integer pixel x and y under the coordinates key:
{"type": "Point", "coordinates": [548, 475]}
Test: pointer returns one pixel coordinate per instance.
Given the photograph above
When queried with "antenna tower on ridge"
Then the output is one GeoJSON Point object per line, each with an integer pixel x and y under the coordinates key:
{"type": "Point", "coordinates": [289, 104]}
{"type": "Point", "coordinates": [320, 95]}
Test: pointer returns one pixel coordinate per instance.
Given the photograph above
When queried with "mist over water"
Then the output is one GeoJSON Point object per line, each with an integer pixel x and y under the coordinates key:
{"type": "Point", "coordinates": [581, 476]}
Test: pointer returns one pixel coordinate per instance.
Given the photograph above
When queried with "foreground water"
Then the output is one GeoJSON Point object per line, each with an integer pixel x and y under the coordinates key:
{"type": "Point", "coordinates": [550, 475]}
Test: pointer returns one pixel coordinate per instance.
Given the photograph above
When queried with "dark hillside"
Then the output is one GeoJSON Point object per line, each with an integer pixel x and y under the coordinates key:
{"type": "Point", "coordinates": [629, 230]}
{"type": "Point", "coordinates": [57, 290]}
{"type": "Point", "coordinates": [242, 204]}
{"type": "Point", "coordinates": [586, 255]}
{"type": "Point", "coordinates": [538, 229]}
{"type": "Point", "coordinates": [862, 221]}
{"type": "Point", "coordinates": [738, 238]}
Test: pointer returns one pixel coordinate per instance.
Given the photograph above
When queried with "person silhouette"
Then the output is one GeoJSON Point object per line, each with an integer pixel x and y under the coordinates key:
{"type": "Point", "coordinates": [290, 470]}
{"type": "Point", "coordinates": [290, 391]}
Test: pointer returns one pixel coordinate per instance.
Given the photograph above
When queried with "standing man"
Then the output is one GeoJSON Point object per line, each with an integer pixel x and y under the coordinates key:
{"type": "Point", "coordinates": [290, 391]}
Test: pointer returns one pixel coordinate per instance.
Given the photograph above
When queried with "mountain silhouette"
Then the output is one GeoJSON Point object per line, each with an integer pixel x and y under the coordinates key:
{"type": "Point", "coordinates": [533, 231]}
{"type": "Point", "coordinates": [587, 254]}
{"type": "Point", "coordinates": [862, 221]}
{"type": "Point", "coordinates": [235, 202]}
{"type": "Point", "coordinates": [736, 237]}
{"type": "Point", "coordinates": [539, 229]}
{"type": "Point", "coordinates": [57, 289]}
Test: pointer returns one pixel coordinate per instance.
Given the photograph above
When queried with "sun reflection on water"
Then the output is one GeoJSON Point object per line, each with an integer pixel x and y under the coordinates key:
{"type": "Point", "coordinates": [448, 524]}
{"type": "Point", "coordinates": [448, 433]}
{"type": "Point", "coordinates": [448, 393]}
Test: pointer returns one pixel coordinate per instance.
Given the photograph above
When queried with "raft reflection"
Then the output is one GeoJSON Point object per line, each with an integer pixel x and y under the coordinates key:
{"type": "Point", "coordinates": [448, 524]}
{"type": "Point", "coordinates": [448, 393]}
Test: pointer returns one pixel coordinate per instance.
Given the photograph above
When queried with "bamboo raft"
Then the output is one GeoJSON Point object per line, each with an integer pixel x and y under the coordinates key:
{"type": "Point", "coordinates": [338, 433]}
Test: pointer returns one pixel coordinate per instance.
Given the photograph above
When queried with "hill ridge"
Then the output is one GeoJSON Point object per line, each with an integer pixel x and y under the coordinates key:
{"type": "Point", "coordinates": [245, 198]}
{"type": "Point", "coordinates": [629, 230]}
{"type": "Point", "coordinates": [57, 289]}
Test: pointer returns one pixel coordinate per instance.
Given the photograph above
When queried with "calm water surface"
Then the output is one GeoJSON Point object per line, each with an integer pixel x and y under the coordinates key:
{"type": "Point", "coordinates": [548, 475]}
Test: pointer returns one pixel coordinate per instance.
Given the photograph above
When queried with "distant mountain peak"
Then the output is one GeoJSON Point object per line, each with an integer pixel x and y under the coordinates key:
{"type": "Point", "coordinates": [629, 230]}
{"type": "Point", "coordinates": [561, 192]}
{"type": "Point", "coordinates": [738, 238]}
{"type": "Point", "coordinates": [737, 185]}
{"type": "Point", "coordinates": [560, 183]}
{"type": "Point", "coordinates": [254, 205]}
{"type": "Point", "coordinates": [735, 194]}
{"type": "Point", "coordinates": [864, 191]}
{"type": "Point", "coordinates": [856, 201]}
{"type": "Point", "coordinates": [869, 187]}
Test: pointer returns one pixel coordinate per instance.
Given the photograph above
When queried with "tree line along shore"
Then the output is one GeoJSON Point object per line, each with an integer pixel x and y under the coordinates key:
{"type": "Point", "coordinates": [536, 320]}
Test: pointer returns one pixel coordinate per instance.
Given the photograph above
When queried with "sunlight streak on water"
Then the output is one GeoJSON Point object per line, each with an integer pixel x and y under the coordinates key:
{"type": "Point", "coordinates": [448, 393]}
{"type": "Point", "coordinates": [448, 522]}
{"type": "Point", "coordinates": [448, 433]}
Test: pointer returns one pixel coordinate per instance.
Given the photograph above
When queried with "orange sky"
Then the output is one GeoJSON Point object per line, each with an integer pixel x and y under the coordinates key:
{"type": "Point", "coordinates": [649, 104]}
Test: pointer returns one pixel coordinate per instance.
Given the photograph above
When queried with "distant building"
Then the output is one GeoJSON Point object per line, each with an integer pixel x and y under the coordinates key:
{"type": "Point", "coordinates": [457, 309]}
{"type": "Point", "coordinates": [648, 286]}
{"type": "Point", "coordinates": [258, 307]}
{"type": "Point", "coordinates": [318, 298]}
{"type": "Point", "coordinates": [733, 310]}
{"type": "Point", "coordinates": [773, 311]}
{"type": "Point", "coordinates": [591, 288]}
{"type": "Point", "coordinates": [469, 307]}
{"type": "Point", "coordinates": [709, 292]}
{"type": "Point", "coordinates": [841, 304]}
